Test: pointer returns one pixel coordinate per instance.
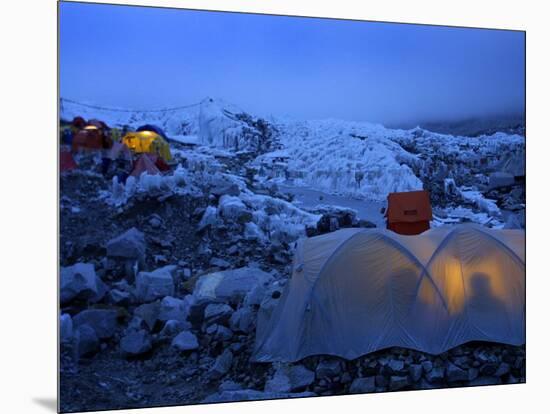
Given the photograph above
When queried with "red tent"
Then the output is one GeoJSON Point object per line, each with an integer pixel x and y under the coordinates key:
{"type": "Point", "coordinates": [144, 164]}
{"type": "Point", "coordinates": [158, 161]}
{"type": "Point", "coordinates": [78, 122]}
{"type": "Point", "coordinates": [88, 139]}
{"type": "Point", "coordinates": [409, 212]}
{"type": "Point", "coordinates": [66, 161]}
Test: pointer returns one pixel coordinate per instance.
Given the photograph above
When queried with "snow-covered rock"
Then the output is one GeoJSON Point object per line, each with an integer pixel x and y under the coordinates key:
{"type": "Point", "coordinates": [230, 284]}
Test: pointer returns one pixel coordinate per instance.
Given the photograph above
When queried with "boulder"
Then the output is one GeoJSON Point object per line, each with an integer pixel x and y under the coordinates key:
{"type": "Point", "coordinates": [436, 374]}
{"type": "Point", "coordinates": [86, 339]}
{"type": "Point", "coordinates": [290, 378]}
{"type": "Point", "coordinates": [427, 366]}
{"type": "Point", "coordinates": [155, 284]}
{"type": "Point", "coordinates": [398, 382]}
{"type": "Point", "coordinates": [172, 327]}
{"type": "Point", "coordinates": [136, 343]}
{"type": "Point", "coordinates": [80, 281]}
{"type": "Point", "coordinates": [222, 365]}
{"type": "Point", "coordinates": [66, 331]}
{"type": "Point", "coordinates": [455, 373]}
{"type": "Point", "coordinates": [118, 297]}
{"type": "Point", "coordinates": [502, 369]}
{"type": "Point", "coordinates": [229, 385]}
{"type": "Point", "coordinates": [185, 341]}
{"type": "Point", "coordinates": [176, 309]}
{"type": "Point", "coordinates": [102, 321]}
{"type": "Point", "coordinates": [362, 385]}
{"type": "Point", "coordinates": [243, 320]}
{"type": "Point", "coordinates": [415, 371]}
{"type": "Point", "coordinates": [395, 365]}
{"type": "Point", "coordinates": [232, 208]}
{"type": "Point", "coordinates": [217, 313]}
{"type": "Point", "coordinates": [149, 312]}
{"type": "Point", "coordinates": [129, 245]}
{"type": "Point", "coordinates": [232, 284]}
{"type": "Point", "coordinates": [209, 218]}
{"type": "Point", "coordinates": [221, 333]}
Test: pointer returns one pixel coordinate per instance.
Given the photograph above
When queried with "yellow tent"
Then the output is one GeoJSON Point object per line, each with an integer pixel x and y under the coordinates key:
{"type": "Point", "coordinates": [147, 141]}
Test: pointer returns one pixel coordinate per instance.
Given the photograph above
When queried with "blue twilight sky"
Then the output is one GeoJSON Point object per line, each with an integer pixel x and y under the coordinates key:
{"type": "Point", "coordinates": [147, 58]}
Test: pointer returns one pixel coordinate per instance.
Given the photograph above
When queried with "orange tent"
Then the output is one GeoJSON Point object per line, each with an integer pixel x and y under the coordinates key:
{"type": "Point", "coordinates": [91, 137]}
{"type": "Point", "coordinates": [409, 212]}
{"type": "Point", "coordinates": [144, 164]}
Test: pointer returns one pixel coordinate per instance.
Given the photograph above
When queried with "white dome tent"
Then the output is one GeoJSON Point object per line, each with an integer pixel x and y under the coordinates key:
{"type": "Point", "coordinates": [355, 291]}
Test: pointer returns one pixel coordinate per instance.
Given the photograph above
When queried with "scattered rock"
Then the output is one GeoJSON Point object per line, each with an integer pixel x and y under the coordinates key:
{"type": "Point", "coordinates": [290, 378]}
{"type": "Point", "coordinates": [415, 371]}
{"type": "Point", "coordinates": [155, 284]}
{"type": "Point", "coordinates": [80, 281]}
{"type": "Point", "coordinates": [396, 365]}
{"type": "Point", "coordinates": [185, 341]}
{"type": "Point", "coordinates": [217, 313]}
{"type": "Point", "coordinates": [136, 343]}
{"type": "Point", "coordinates": [436, 374]}
{"type": "Point", "coordinates": [398, 382]}
{"type": "Point", "coordinates": [455, 373]}
{"type": "Point", "coordinates": [102, 321]}
{"type": "Point", "coordinates": [328, 368]}
{"type": "Point", "coordinates": [242, 320]}
{"type": "Point", "coordinates": [87, 340]}
{"type": "Point", "coordinates": [176, 309]}
{"type": "Point", "coordinates": [129, 245]}
{"type": "Point", "coordinates": [172, 328]}
{"type": "Point", "coordinates": [149, 312]}
{"type": "Point", "coordinates": [502, 369]}
{"type": "Point", "coordinates": [218, 262]}
{"type": "Point", "coordinates": [222, 364]}
{"type": "Point", "coordinates": [118, 297]}
{"type": "Point", "coordinates": [66, 332]}
{"type": "Point", "coordinates": [362, 385]}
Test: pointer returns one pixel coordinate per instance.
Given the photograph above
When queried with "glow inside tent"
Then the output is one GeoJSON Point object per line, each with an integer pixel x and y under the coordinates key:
{"type": "Point", "coordinates": [355, 291]}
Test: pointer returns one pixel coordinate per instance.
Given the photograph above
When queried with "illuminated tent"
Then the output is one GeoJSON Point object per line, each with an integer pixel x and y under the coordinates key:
{"type": "Point", "coordinates": [147, 142]}
{"type": "Point", "coordinates": [355, 291]}
{"type": "Point", "coordinates": [90, 138]}
{"type": "Point", "coordinates": [153, 128]}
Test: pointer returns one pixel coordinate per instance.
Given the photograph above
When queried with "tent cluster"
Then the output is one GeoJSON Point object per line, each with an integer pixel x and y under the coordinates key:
{"type": "Point", "coordinates": [356, 291]}
{"type": "Point", "coordinates": [128, 152]}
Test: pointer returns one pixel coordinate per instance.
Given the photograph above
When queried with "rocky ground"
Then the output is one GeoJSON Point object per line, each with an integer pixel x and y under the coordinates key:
{"type": "Point", "coordinates": [143, 323]}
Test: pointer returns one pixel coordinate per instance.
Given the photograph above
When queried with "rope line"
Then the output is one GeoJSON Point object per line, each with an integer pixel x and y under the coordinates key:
{"type": "Point", "coordinates": [127, 110]}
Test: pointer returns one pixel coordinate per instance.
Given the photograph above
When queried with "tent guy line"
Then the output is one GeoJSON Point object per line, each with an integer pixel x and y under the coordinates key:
{"type": "Point", "coordinates": [175, 108]}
